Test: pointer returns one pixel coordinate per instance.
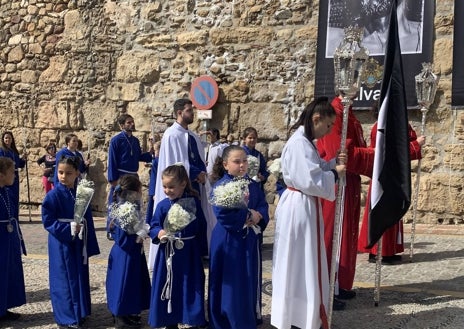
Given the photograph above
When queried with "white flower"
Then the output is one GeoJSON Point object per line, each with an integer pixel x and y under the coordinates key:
{"type": "Point", "coordinates": [233, 194]}
{"type": "Point", "coordinates": [84, 194]}
{"type": "Point", "coordinates": [253, 167]}
{"type": "Point", "coordinates": [276, 167]}
{"type": "Point", "coordinates": [180, 215]}
{"type": "Point", "coordinates": [127, 216]}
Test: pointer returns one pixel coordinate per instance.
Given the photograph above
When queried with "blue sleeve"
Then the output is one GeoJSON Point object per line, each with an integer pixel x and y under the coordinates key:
{"type": "Point", "coordinates": [262, 167]}
{"type": "Point", "coordinates": [60, 230]}
{"type": "Point", "coordinates": [20, 163]}
{"type": "Point", "coordinates": [146, 157]}
{"type": "Point", "coordinates": [113, 174]}
{"type": "Point", "coordinates": [157, 221]}
{"type": "Point", "coordinates": [258, 202]}
{"type": "Point", "coordinates": [126, 242]}
{"type": "Point", "coordinates": [92, 242]}
{"type": "Point", "coordinates": [153, 173]}
{"type": "Point", "coordinates": [194, 172]}
{"type": "Point", "coordinates": [58, 158]}
{"type": "Point", "coordinates": [82, 164]}
{"type": "Point", "coordinates": [202, 228]}
{"type": "Point", "coordinates": [232, 220]}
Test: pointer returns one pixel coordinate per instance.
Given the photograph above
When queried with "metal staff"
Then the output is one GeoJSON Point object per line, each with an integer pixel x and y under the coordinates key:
{"type": "Point", "coordinates": [426, 87]}
{"type": "Point", "coordinates": [27, 179]}
{"type": "Point", "coordinates": [339, 212]}
{"type": "Point", "coordinates": [349, 59]}
{"type": "Point", "coordinates": [378, 273]}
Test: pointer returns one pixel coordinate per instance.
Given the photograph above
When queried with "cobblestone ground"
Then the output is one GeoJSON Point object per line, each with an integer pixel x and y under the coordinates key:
{"type": "Point", "coordinates": [425, 293]}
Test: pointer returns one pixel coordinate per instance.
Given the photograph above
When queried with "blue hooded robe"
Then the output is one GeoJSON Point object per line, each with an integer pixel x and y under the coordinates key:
{"type": "Point", "coordinates": [235, 269]}
{"type": "Point", "coordinates": [188, 284]}
{"type": "Point", "coordinates": [68, 268]}
{"type": "Point", "coordinates": [127, 279]}
{"type": "Point", "coordinates": [12, 290]}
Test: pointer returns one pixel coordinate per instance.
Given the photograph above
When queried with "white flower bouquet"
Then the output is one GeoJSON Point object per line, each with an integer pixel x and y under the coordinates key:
{"type": "Point", "coordinates": [180, 215]}
{"type": "Point", "coordinates": [253, 167]}
{"type": "Point", "coordinates": [84, 193]}
{"type": "Point", "coordinates": [126, 215]}
{"type": "Point", "coordinates": [233, 194]}
{"type": "Point", "coordinates": [276, 167]}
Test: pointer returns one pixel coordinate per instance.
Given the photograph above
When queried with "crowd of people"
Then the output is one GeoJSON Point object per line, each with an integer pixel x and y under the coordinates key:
{"type": "Point", "coordinates": [204, 204]}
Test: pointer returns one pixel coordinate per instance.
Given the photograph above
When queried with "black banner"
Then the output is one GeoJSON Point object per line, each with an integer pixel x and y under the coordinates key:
{"type": "Point", "coordinates": [415, 24]}
{"type": "Point", "coordinates": [457, 98]}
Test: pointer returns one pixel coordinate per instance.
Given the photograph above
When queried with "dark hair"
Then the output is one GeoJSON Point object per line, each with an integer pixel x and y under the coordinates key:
{"type": "Point", "coordinates": [215, 132]}
{"type": "Point", "coordinates": [13, 143]}
{"type": "Point", "coordinates": [50, 146]}
{"type": "Point", "coordinates": [320, 106]}
{"type": "Point", "coordinates": [79, 144]}
{"type": "Point", "coordinates": [248, 131]}
{"type": "Point", "coordinates": [5, 164]}
{"type": "Point", "coordinates": [180, 103]}
{"type": "Point", "coordinates": [218, 167]}
{"type": "Point", "coordinates": [179, 173]}
{"type": "Point", "coordinates": [123, 117]}
{"type": "Point", "coordinates": [73, 161]}
{"type": "Point", "coordinates": [126, 185]}
{"type": "Point", "coordinates": [68, 138]}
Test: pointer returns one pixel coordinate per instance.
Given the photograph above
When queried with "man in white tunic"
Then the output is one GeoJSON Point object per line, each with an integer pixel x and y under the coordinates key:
{"type": "Point", "coordinates": [300, 280]}
{"type": "Point", "coordinates": [179, 144]}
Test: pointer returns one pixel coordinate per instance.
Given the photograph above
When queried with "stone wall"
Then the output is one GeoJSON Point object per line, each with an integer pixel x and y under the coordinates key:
{"type": "Point", "coordinates": [75, 66]}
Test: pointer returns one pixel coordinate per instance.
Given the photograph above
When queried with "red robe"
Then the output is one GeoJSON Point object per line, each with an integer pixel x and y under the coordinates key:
{"type": "Point", "coordinates": [360, 162]}
{"type": "Point", "coordinates": [392, 239]}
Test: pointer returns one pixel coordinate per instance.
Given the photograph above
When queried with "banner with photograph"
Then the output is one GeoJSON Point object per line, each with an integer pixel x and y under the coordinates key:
{"type": "Point", "coordinates": [415, 25]}
{"type": "Point", "coordinates": [457, 98]}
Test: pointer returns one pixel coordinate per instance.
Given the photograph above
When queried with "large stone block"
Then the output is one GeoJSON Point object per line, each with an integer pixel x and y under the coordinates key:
{"type": "Point", "coordinates": [138, 66]}
{"type": "Point", "coordinates": [124, 91]}
{"type": "Point", "coordinates": [51, 114]}
{"type": "Point", "coordinates": [56, 71]}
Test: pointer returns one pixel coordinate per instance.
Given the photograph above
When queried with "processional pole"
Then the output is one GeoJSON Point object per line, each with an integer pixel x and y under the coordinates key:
{"type": "Point", "coordinates": [349, 59]}
{"type": "Point", "coordinates": [27, 170]}
{"type": "Point", "coordinates": [426, 87]}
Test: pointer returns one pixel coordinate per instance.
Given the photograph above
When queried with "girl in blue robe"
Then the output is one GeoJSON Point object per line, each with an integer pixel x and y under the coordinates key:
{"type": "Point", "coordinates": [68, 253]}
{"type": "Point", "coordinates": [250, 138]}
{"type": "Point", "coordinates": [181, 299]}
{"type": "Point", "coordinates": [127, 279]}
{"type": "Point", "coordinates": [70, 150]}
{"type": "Point", "coordinates": [8, 149]}
{"type": "Point", "coordinates": [235, 255]}
{"type": "Point", "coordinates": [12, 291]}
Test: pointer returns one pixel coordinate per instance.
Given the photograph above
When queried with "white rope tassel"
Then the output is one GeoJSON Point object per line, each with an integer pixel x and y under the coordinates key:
{"type": "Point", "coordinates": [167, 289]}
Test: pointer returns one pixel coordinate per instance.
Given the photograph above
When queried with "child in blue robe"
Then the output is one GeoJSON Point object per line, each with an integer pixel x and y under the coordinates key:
{"type": "Point", "coordinates": [250, 138]}
{"type": "Point", "coordinates": [8, 149]}
{"type": "Point", "coordinates": [235, 255]}
{"type": "Point", "coordinates": [12, 291]}
{"type": "Point", "coordinates": [70, 150]}
{"type": "Point", "coordinates": [127, 279]}
{"type": "Point", "coordinates": [67, 253]}
{"type": "Point", "coordinates": [178, 286]}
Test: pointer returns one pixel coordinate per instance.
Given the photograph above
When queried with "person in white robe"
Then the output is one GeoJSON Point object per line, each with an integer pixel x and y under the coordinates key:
{"type": "Point", "coordinates": [300, 279]}
{"type": "Point", "coordinates": [179, 144]}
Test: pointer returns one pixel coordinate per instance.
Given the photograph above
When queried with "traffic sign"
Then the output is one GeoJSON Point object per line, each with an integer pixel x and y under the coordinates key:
{"type": "Point", "coordinates": [204, 92]}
